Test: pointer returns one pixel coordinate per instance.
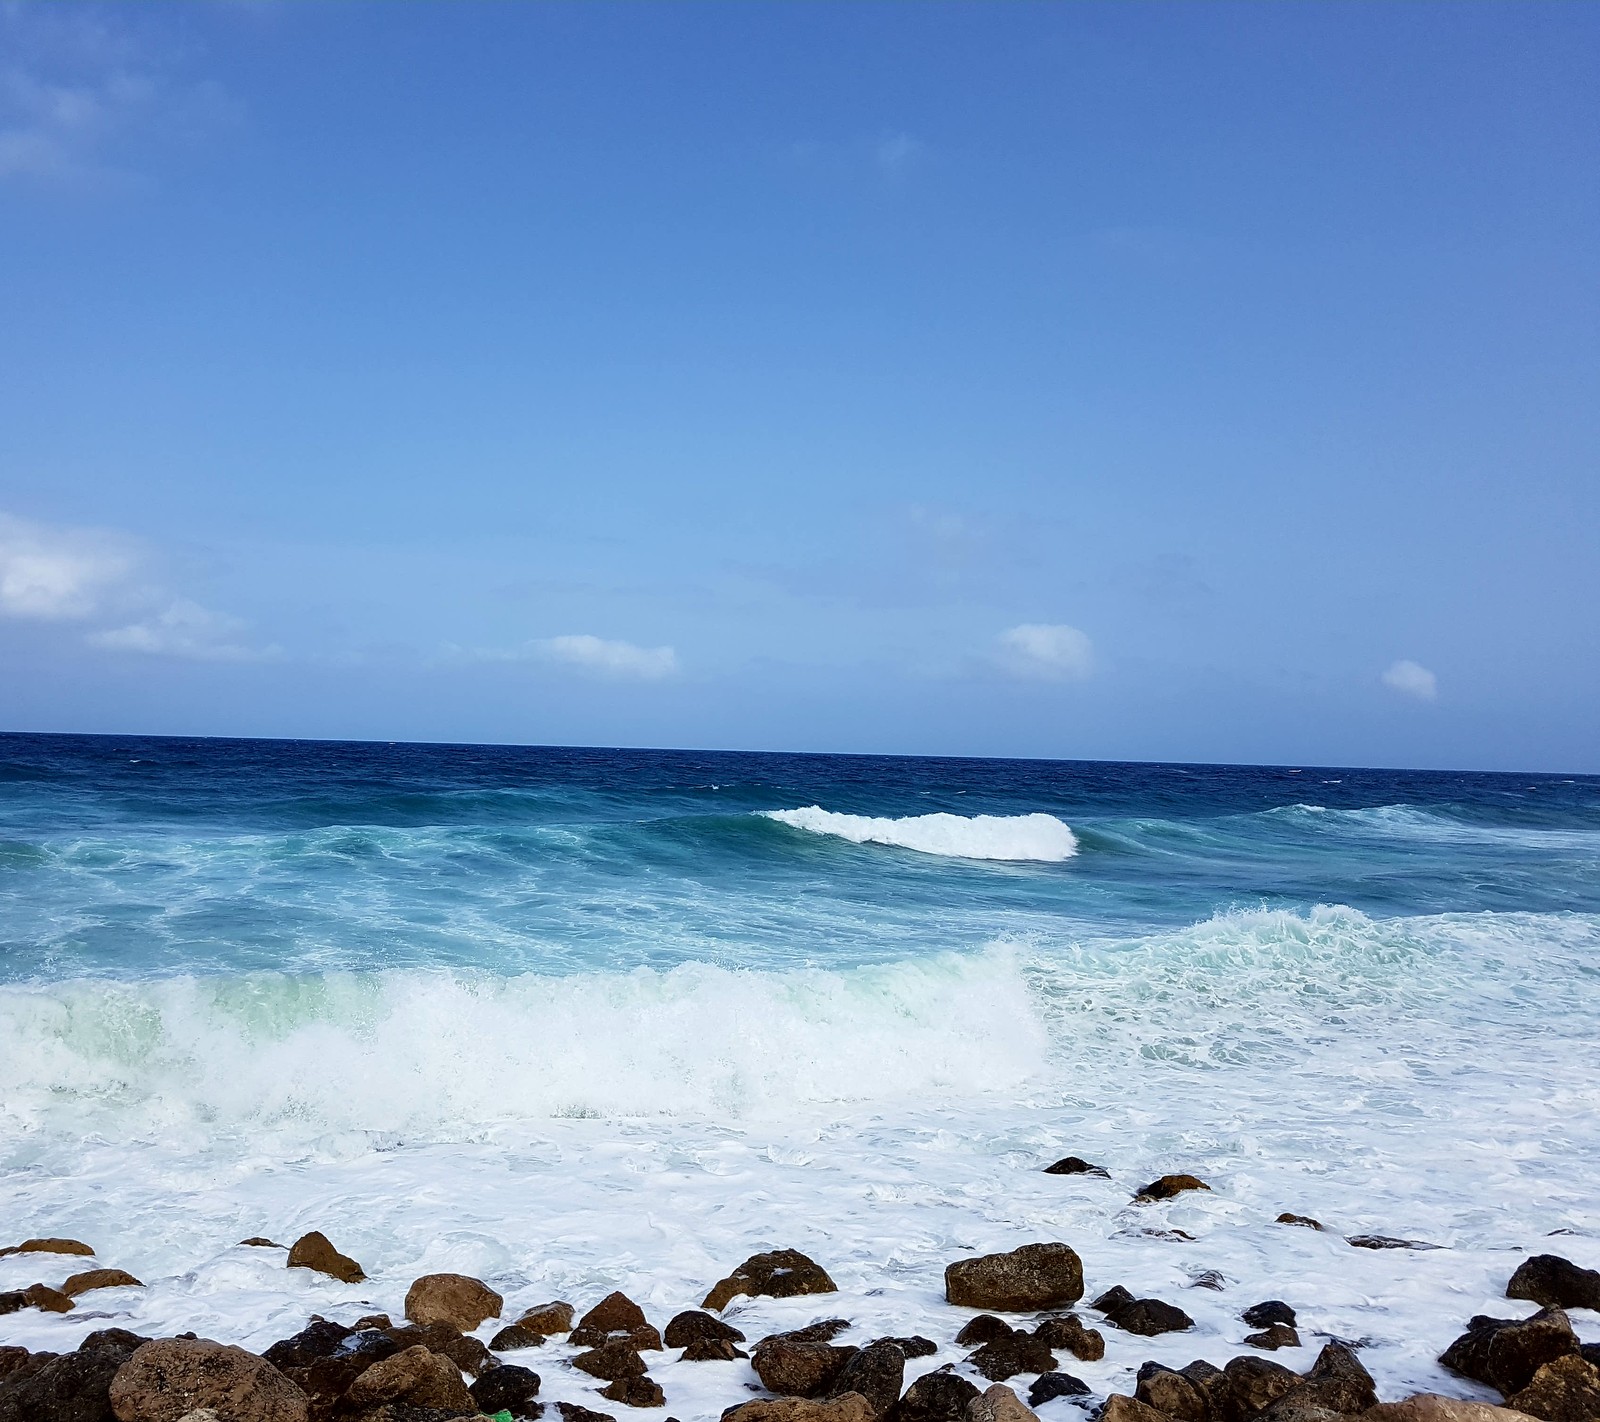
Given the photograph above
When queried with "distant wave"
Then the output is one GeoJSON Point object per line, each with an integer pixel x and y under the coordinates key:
{"type": "Point", "coordinates": [1037, 837]}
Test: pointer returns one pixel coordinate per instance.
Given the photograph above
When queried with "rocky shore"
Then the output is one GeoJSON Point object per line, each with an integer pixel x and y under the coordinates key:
{"type": "Point", "coordinates": [1013, 1340]}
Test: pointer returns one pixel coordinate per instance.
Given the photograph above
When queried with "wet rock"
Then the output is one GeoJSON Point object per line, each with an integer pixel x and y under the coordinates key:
{"type": "Point", "coordinates": [572, 1412]}
{"type": "Point", "coordinates": [99, 1279]}
{"type": "Point", "coordinates": [66, 1387]}
{"type": "Point", "coordinates": [1146, 1317]}
{"type": "Point", "coordinates": [1567, 1390]}
{"type": "Point", "coordinates": [693, 1326]}
{"type": "Point", "coordinates": [547, 1318]}
{"type": "Point", "coordinates": [1338, 1381]}
{"type": "Point", "coordinates": [46, 1299]}
{"type": "Point", "coordinates": [467, 1353]}
{"type": "Point", "coordinates": [1168, 1186]}
{"type": "Point", "coordinates": [165, 1380]}
{"type": "Point", "coordinates": [1067, 1331]}
{"type": "Point", "coordinates": [373, 1320]}
{"type": "Point", "coordinates": [1273, 1337]}
{"type": "Point", "coordinates": [505, 1387]}
{"type": "Point", "coordinates": [1033, 1277]}
{"type": "Point", "coordinates": [916, 1346]}
{"type": "Point", "coordinates": [321, 1338]}
{"type": "Point", "coordinates": [1006, 1357]}
{"type": "Point", "coordinates": [985, 1328]}
{"type": "Point", "coordinates": [616, 1318]}
{"type": "Point", "coordinates": [999, 1404]}
{"type": "Point", "coordinates": [1076, 1165]}
{"type": "Point", "coordinates": [1386, 1241]}
{"type": "Point", "coordinates": [1303, 1220]}
{"type": "Point", "coordinates": [712, 1350]}
{"type": "Point", "coordinates": [877, 1372]}
{"type": "Point", "coordinates": [1254, 1384]}
{"type": "Point", "coordinates": [514, 1336]}
{"type": "Point", "coordinates": [934, 1397]}
{"type": "Point", "coordinates": [824, 1330]}
{"type": "Point", "coordinates": [1263, 1315]}
{"type": "Point", "coordinates": [12, 1358]}
{"type": "Point", "coordinates": [415, 1376]}
{"type": "Point", "coordinates": [1209, 1279]}
{"type": "Point", "coordinates": [778, 1274]}
{"type": "Point", "coordinates": [259, 1241]}
{"type": "Point", "coordinates": [1121, 1408]}
{"type": "Point", "coordinates": [1430, 1407]}
{"type": "Point", "coordinates": [1212, 1384]}
{"type": "Point", "coordinates": [1169, 1391]}
{"type": "Point", "coordinates": [798, 1369]}
{"type": "Point", "coordinates": [611, 1361]}
{"type": "Point", "coordinates": [1550, 1280]}
{"type": "Point", "coordinates": [1507, 1352]}
{"type": "Point", "coordinates": [316, 1251]}
{"type": "Point", "coordinates": [1049, 1386]}
{"type": "Point", "coordinates": [456, 1299]}
{"type": "Point", "coordinates": [635, 1392]}
{"type": "Point", "coordinates": [47, 1246]}
{"type": "Point", "coordinates": [852, 1407]}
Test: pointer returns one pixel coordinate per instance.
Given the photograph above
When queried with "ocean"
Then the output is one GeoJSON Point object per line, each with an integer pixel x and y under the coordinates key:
{"type": "Point", "coordinates": [574, 1020]}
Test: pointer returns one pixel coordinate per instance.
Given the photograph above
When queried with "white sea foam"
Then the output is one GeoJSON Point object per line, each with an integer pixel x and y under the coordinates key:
{"type": "Point", "coordinates": [1038, 837]}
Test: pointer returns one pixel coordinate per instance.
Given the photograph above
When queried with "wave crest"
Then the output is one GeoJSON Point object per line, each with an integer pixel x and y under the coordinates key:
{"type": "Point", "coordinates": [1037, 837]}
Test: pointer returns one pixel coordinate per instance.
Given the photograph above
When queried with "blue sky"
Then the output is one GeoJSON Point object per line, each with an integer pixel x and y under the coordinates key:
{"type": "Point", "coordinates": [1160, 382]}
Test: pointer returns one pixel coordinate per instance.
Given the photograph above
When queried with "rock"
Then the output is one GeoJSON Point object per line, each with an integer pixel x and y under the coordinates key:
{"type": "Point", "coordinates": [572, 1412]}
{"type": "Point", "coordinates": [326, 1380]}
{"type": "Point", "coordinates": [66, 1387]}
{"type": "Point", "coordinates": [165, 1380]}
{"type": "Point", "coordinates": [616, 1318]}
{"type": "Point", "coordinates": [779, 1274]}
{"type": "Point", "coordinates": [12, 1358]}
{"type": "Point", "coordinates": [1429, 1407]}
{"type": "Point", "coordinates": [1209, 1279]}
{"type": "Point", "coordinates": [1567, 1390]}
{"type": "Point", "coordinates": [1507, 1352]}
{"type": "Point", "coordinates": [635, 1392]}
{"type": "Point", "coordinates": [456, 1299]}
{"type": "Point", "coordinates": [1263, 1315]}
{"type": "Point", "coordinates": [692, 1326]}
{"type": "Point", "coordinates": [314, 1251]}
{"type": "Point", "coordinates": [1120, 1408]}
{"type": "Point", "coordinates": [259, 1241]}
{"type": "Point", "coordinates": [1254, 1384]}
{"type": "Point", "coordinates": [506, 1387]}
{"type": "Point", "coordinates": [1168, 1186]}
{"type": "Point", "coordinates": [1385, 1241]}
{"type": "Point", "coordinates": [1067, 1331]}
{"type": "Point", "coordinates": [1006, 1357]}
{"type": "Point", "coordinates": [1304, 1220]}
{"type": "Point", "coordinates": [611, 1361]}
{"type": "Point", "coordinates": [852, 1407]}
{"type": "Point", "coordinates": [514, 1336]}
{"type": "Point", "coordinates": [915, 1346]}
{"type": "Point", "coordinates": [1279, 1335]}
{"type": "Point", "coordinates": [99, 1279]}
{"type": "Point", "coordinates": [467, 1353]}
{"type": "Point", "coordinates": [985, 1328]}
{"type": "Point", "coordinates": [415, 1376]}
{"type": "Point", "coordinates": [1076, 1165]}
{"type": "Point", "coordinates": [1033, 1277]}
{"type": "Point", "coordinates": [712, 1350]}
{"type": "Point", "coordinates": [373, 1320]}
{"type": "Point", "coordinates": [1113, 1298]}
{"type": "Point", "coordinates": [934, 1397]}
{"type": "Point", "coordinates": [877, 1372]}
{"type": "Point", "coordinates": [798, 1369]}
{"type": "Point", "coordinates": [321, 1338]}
{"type": "Point", "coordinates": [548, 1318]}
{"type": "Point", "coordinates": [824, 1330]}
{"type": "Point", "coordinates": [1338, 1381]}
{"type": "Point", "coordinates": [1550, 1280]}
{"type": "Point", "coordinates": [1169, 1391]}
{"type": "Point", "coordinates": [1212, 1384]}
{"type": "Point", "coordinates": [48, 1300]}
{"type": "Point", "coordinates": [47, 1246]}
{"type": "Point", "coordinates": [999, 1404]}
{"type": "Point", "coordinates": [1146, 1317]}
{"type": "Point", "coordinates": [1049, 1386]}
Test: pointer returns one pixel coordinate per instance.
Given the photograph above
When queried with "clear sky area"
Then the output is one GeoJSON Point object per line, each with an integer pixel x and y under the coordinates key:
{"type": "Point", "coordinates": [1179, 382]}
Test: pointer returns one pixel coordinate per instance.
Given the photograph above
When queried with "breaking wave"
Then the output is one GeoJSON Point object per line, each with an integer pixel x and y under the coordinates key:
{"type": "Point", "coordinates": [1038, 837]}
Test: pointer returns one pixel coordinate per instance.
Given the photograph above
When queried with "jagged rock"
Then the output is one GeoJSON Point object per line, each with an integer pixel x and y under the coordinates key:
{"type": "Point", "coordinates": [1338, 1382]}
{"type": "Point", "coordinates": [316, 1251]}
{"type": "Point", "coordinates": [1277, 1335]}
{"type": "Point", "coordinates": [617, 1359]}
{"type": "Point", "coordinates": [916, 1346]}
{"type": "Point", "coordinates": [1590, 1353]}
{"type": "Point", "coordinates": [514, 1336]}
{"type": "Point", "coordinates": [1017, 1353]}
{"type": "Point", "coordinates": [1254, 1384]}
{"type": "Point", "coordinates": [1033, 1277]}
{"type": "Point", "coordinates": [12, 1358]}
{"type": "Point", "coordinates": [1212, 1384]}
{"type": "Point", "coordinates": [1550, 1280]}
{"type": "Point", "coordinates": [1049, 1386]}
{"type": "Point", "coordinates": [1263, 1315]}
{"type": "Point", "coordinates": [416, 1376]}
{"type": "Point", "coordinates": [692, 1326]}
{"type": "Point", "coordinates": [778, 1274]}
{"type": "Point", "coordinates": [999, 1404]}
{"type": "Point", "coordinates": [852, 1407]}
{"type": "Point", "coordinates": [259, 1241]}
{"type": "Point", "coordinates": [934, 1397]}
{"type": "Point", "coordinates": [1304, 1220]}
{"type": "Point", "coordinates": [467, 1353]}
{"type": "Point", "coordinates": [167, 1379]}
{"type": "Point", "coordinates": [547, 1318]}
{"type": "Point", "coordinates": [635, 1392]}
{"type": "Point", "coordinates": [712, 1350]}
{"type": "Point", "coordinates": [47, 1246]}
{"type": "Point", "coordinates": [46, 1299]}
{"type": "Point", "coordinates": [1567, 1390]}
{"type": "Point", "coordinates": [877, 1372]}
{"type": "Point", "coordinates": [1209, 1279]}
{"type": "Point", "coordinates": [1067, 1331]}
{"type": "Point", "coordinates": [1169, 1391]}
{"type": "Point", "coordinates": [1387, 1241]}
{"type": "Point", "coordinates": [616, 1318]}
{"type": "Point", "coordinates": [1146, 1317]}
{"type": "Point", "coordinates": [373, 1320]}
{"type": "Point", "coordinates": [1121, 1408]}
{"type": "Point", "coordinates": [985, 1328]}
{"type": "Point", "coordinates": [99, 1279]}
{"type": "Point", "coordinates": [1430, 1407]}
{"type": "Point", "coordinates": [824, 1330]}
{"type": "Point", "coordinates": [1168, 1186]}
{"type": "Point", "coordinates": [798, 1369]}
{"type": "Point", "coordinates": [66, 1387]}
{"type": "Point", "coordinates": [457, 1299]}
{"type": "Point", "coordinates": [320, 1338]}
{"type": "Point", "coordinates": [1076, 1165]}
{"type": "Point", "coordinates": [1507, 1352]}
{"type": "Point", "coordinates": [572, 1412]}
{"type": "Point", "coordinates": [326, 1380]}
{"type": "Point", "coordinates": [507, 1386]}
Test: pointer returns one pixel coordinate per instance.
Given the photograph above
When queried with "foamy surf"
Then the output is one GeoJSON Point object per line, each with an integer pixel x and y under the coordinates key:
{"type": "Point", "coordinates": [1038, 837]}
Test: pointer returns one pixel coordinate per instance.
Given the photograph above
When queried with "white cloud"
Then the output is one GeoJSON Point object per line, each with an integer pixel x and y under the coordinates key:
{"type": "Point", "coordinates": [610, 658]}
{"type": "Point", "coordinates": [58, 574]}
{"type": "Point", "coordinates": [1051, 651]}
{"type": "Point", "coordinates": [1409, 679]}
{"type": "Point", "coordinates": [184, 629]}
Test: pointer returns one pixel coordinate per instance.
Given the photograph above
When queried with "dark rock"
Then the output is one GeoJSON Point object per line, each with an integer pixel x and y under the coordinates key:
{"type": "Point", "coordinates": [1385, 1241]}
{"type": "Point", "coordinates": [635, 1392]}
{"type": "Point", "coordinates": [171, 1377]}
{"type": "Point", "coordinates": [1590, 1353]}
{"type": "Point", "coordinates": [999, 1403]}
{"type": "Point", "coordinates": [712, 1350]}
{"type": "Point", "coordinates": [373, 1320]}
{"type": "Point", "coordinates": [1338, 1382]}
{"type": "Point", "coordinates": [66, 1387]}
{"type": "Point", "coordinates": [315, 1251]}
{"type": "Point", "coordinates": [824, 1330]}
{"type": "Point", "coordinates": [1304, 1220]}
{"type": "Point", "coordinates": [852, 1407]}
{"type": "Point", "coordinates": [259, 1241]}
{"type": "Point", "coordinates": [572, 1412]}
{"type": "Point", "coordinates": [1272, 1311]}
{"type": "Point", "coordinates": [457, 1299]}
{"type": "Point", "coordinates": [1567, 1390]}
{"type": "Point", "coordinates": [1209, 1279]}
{"type": "Point", "coordinates": [1212, 1384]}
{"type": "Point", "coordinates": [616, 1318]}
{"type": "Point", "coordinates": [617, 1359]}
{"type": "Point", "coordinates": [1254, 1384]}
{"type": "Point", "coordinates": [1550, 1280]}
{"type": "Point", "coordinates": [1006, 1357]}
{"type": "Point", "coordinates": [1067, 1331]}
{"type": "Point", "coordinates": [1113, 1298]}
{"type": "Point", "coordinates": [1168, 1186]}
{"type": "Point", "coordinates": [514, 1336]}
{"type": "Point", "coordinates": [369, 1343]}
{"type": "Point", "coordinates": [1273, 1337]}
{"type": "Point", "coordinates": [47, 1246]}
{"type": "Point", "coordinates": [1507, 1352]}
{"type": "Point", "coordinates": [468, 1354]}
{"type": "Point", "coordinates": [506, 1387]}
{"type": "Point", "coordinates": [318, 1339]}
{"type": "Point", "coordinates": [325, 1381]}
{"type": "Point", "coordinates": [985, 1328]}
{"type": "Point", "coordinates": [99, 1279]}
{"type": "Point", "coordinates": [1169, 1391]}
{"type": "Point", "coordinates": [779, 1274]}
{"type": "Point", "coordinates": [877, 1372]}
{"type": "Point", "coordinates": [1049, 1386]}
{"type": "Point", "coordinates": [1075, 1165]}
{"type": "Point", "coordinates": [13, 1301]}
{"type": "Point", "coordinates": [798, 1369]}
{"type": "Point", "coordinates": [935, 1397]}
{"type": "Point", "coordinates": [914, 1347]}
{"type": "Point", "coordinates": [12, 1358]}
{"type": "Point", "coordinates": [1146, 1317]}
{"type": "Point", "coordinates": [1033, 1277]}
{"type": "Point", "coordinates": [692, 1326]}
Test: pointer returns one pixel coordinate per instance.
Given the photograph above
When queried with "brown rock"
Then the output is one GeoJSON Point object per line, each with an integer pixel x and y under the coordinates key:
{"type": "Point", "coordinates": [850, 1408]}
{"type": "Point", "coordinates": [259, 1241]}
{"type": "Point", "coordinates": [457, 1299]}
{"type": "Point", "coordinates": [1430, 1407]}
{"type": "Point", "coordinates": [46, 1299]}
{"type": "Point", "coordinates": [1212, 1384]}
{"type": "Point", "coordinates": [1254, 1384]}
{"type": "Point", "coordinates": [1076, 1165]}
{"type": "Point", "coordinates": [692, 1326]}
{"type": "Point", "coordinates": [1550, 1280]}
{"type": "Point", "coordinates": [47, 1246]}
{"type": "Point", "coordinates": [99, 1279]}
{"type": "Point", "coordinates": [467, 1353]}
{"type": "Point", "coordinates": [1033, 1277]}
{"type": "Point", "coordinates": [416, 1377]}
{"type": "Point", "coordinates": [548, 1319]}
{"type": "Point", "coordinates": [166, 1380]}
{"type": "Point", "coordinates": [712, 1350]}
{"type": "Point", "coordinates": [824, 1330]}
{"type": "Point", "coordinates": [1338, 1381]}
{"type": "Point", "coordinates": [615, 1318]}
{"type": "Point", "coordinates": [914, 1346]}
{"type": "Point", "coordinates": [1121, 1408]}
{"type": "Point", "coordinates": [1507, 1352]}
{"type": "Point", "coordinates": [877, 1372]}
{"type": "Point", "coordinates": [1304, 1220]}
{"type": "Point", "coordinates": [611, 1361]}
{"type": "Point", "coordinates": [1387, 1241]}
{"type": "Point", "coordinates": [66, 1387]}
{"type": "Point", "coordinates": [514, 1336]}
{"type": "Point", "coordinates": [779, 1274]}
{"type": "Point", "coordinates": [572, 1412]}
{"type": "Point", "coordinates": [798, 1369]}
{"type": "Point", "coordinates": [1168, 1186]}
{"type": "Point", "coordinates": [1170, 1392]}
{"type": "Point", "coordinates": [935, 1397]}
{"type": "Point", "coordinates": [635, 1392]}
{"type": "Point", "coordinates": [1273, 1337]}
{"type": "Point", "coordinates": [1067, 1331]}
{"type": "Point", "coordinates": [12, 1358]}
{"type": "Point", "coordinates": [314, 1251]}
{"type": "Point", "coordinates": [999, 1404]}
{"type": "Point", "coordinates": [1017, 1353]}
{"type": "Point", "coordinates": [1567, 1390]}
{"type": "Point", "coordinates": [373, 1320]}
{"type": "Point", "coordinates": [985, 1328]}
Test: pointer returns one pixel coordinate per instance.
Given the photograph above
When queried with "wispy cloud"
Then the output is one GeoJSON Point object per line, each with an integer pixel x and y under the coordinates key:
{"type": "Point", "coordinates": [896, 152]}
{"type": "Point", "coordinates": [1410, 679]}
{"type": "Point", "coordinates": [1047, 651]}
{"type": "Point", "coordinates": [185, 629]}
{"type": "Point", "coordinates": [611, 658]}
